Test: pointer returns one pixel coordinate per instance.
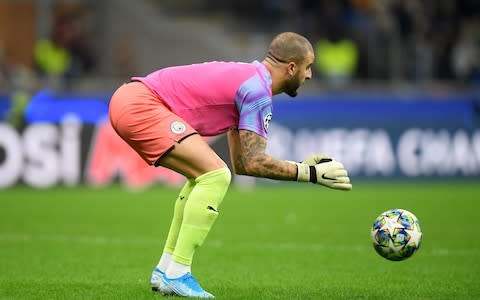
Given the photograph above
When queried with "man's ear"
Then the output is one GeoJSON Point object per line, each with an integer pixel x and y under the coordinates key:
{"type": "Point", "coordinates": [292, 67]}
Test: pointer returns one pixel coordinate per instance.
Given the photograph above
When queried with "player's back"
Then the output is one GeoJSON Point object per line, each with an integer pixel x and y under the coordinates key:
{"type": "Point", "coordinates": [209, 83]}
{"type": "Point", "coordinates": [205, 91]}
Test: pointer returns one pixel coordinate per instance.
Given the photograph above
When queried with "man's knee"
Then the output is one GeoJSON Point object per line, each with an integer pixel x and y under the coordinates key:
{"type": "Point", "coordinates": [226, 177]}
{"type": "Point", "coordinates": [218, 182]}
{"type": "Point", "coordinates": [221, 177]}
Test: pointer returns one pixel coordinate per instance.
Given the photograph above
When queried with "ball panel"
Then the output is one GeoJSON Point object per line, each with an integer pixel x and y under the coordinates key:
{"type": "Point", "coordinates": [400, 237]}
{"type": "Point", "coordinates": [382, 238]}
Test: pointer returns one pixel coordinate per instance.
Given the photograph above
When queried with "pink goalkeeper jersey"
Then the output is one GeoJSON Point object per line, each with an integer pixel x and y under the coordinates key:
{"type": "Point", "coordinates": [215, 96]}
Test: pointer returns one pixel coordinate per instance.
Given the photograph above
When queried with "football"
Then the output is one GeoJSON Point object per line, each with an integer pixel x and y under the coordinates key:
{"type": "Point", "coordinates": [396, 234]}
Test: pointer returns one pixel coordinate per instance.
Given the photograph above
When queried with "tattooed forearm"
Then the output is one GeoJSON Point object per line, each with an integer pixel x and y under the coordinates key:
{"type": "Point", "coordinates": [253, 159]}
{"type": "Point", "coordinates": [234, 148]}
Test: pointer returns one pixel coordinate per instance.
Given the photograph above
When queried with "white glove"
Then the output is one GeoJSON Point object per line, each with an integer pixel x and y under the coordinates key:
{"type": "Point", "coordinates": [327, 172]}
{"type": "Point", "coordinates": [316, 158]}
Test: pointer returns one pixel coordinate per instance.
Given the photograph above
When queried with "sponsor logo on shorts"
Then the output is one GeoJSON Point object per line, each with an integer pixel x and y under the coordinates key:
{"type": "Point", "coordinates": [178, 127]}
{"type": "Point", "coordinates": [266, 121]}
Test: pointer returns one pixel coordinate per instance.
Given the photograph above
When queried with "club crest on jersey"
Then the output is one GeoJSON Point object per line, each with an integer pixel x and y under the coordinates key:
{"type": "Point", "coordinates": [178, 127]}
{"type": "Point", "coordinates": [266, 121]}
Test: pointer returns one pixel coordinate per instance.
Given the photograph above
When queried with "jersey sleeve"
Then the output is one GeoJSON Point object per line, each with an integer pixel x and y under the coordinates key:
{"type": "Point", "coordinates": [254, 104]}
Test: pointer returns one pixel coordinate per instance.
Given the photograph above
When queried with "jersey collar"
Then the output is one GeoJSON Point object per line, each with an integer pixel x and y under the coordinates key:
{"type": "Point", "coordinates": [265, 74]}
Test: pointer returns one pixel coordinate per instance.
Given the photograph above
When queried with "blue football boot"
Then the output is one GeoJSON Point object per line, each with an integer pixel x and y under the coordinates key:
{"type": "Point", "coordinates": [186, 286]}
{"type": "Point", "coordinates": [157, 285]}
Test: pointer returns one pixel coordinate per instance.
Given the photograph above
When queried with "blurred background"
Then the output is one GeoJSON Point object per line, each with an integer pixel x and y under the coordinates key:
{"type": "Point", "coordinates": [395, 96]}
{"type": "Point", "coordinates": [395, 91]}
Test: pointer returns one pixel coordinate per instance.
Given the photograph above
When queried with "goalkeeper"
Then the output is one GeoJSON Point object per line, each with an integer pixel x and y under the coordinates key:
{"type": "Point", "coordinates": [164, 115]}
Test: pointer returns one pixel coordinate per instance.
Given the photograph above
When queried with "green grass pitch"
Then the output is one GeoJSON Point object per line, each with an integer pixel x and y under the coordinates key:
{"type": "Point", "coordinates": [277, 241]}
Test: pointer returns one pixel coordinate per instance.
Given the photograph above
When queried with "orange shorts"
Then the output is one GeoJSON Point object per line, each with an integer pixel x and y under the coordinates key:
{"type": "Point", "coordinates": [145, 123]}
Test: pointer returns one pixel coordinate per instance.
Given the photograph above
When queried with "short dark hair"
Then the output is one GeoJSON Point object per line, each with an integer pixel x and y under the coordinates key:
{"type": "Point", "coordinates": [289, 46]}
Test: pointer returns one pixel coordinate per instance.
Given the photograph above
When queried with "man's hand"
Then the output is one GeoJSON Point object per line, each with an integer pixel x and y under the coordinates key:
{"type": "Point", "coordinates": [316, 159]}
{"type": "Point", "coordinates": [327, 172]}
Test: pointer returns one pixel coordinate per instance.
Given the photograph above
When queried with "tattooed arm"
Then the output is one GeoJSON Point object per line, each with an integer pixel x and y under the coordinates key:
{"type": "Point", "coordinates": [247, 153]}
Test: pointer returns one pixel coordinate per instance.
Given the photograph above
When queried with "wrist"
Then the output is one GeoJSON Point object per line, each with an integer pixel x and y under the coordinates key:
{"type": "Point", "coordinates": [303, 172]}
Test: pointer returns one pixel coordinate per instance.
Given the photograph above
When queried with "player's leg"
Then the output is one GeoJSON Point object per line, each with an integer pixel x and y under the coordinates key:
{"type": "Point", "coordinates": [176, 224]}
{"type": "Point", "coordinates": [156, 282]}
{"type": "Point", "coordinates": [193, 157]}
{"type": "Point", "coordinates": [159, 136]}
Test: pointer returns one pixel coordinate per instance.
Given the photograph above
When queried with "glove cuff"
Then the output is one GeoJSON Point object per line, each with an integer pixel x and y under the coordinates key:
{"type": "Point", "coordinates": [303, 172]}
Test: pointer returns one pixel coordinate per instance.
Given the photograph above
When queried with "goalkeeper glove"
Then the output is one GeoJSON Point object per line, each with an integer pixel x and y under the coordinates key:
{"type": "Point", "coordinates": [315, 159]}
{"type": "Point", "coordinates": [327, 172]}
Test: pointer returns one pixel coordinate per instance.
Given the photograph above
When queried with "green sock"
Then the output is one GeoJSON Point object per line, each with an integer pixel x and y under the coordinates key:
{"type": "Point", "coordinates": [200, 213]}
{"type": "Point", "coordinates": [178, 216]}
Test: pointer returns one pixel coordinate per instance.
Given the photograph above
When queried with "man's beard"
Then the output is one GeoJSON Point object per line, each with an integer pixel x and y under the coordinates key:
{"type": "Point", "coordinates": [292, 93]}
{"type": "Point", "coordinates": [292, 86]}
